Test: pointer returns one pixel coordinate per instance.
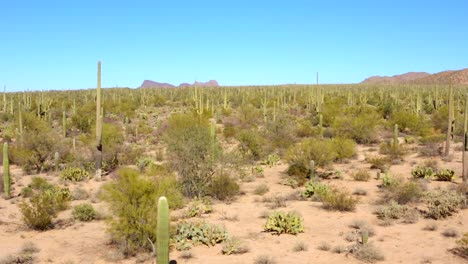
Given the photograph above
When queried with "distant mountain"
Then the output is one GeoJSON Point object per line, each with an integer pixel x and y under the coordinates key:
{"type": "Point", "coordinates": [410, 76]}
{"type": "Point", "coordinates": [152, 84]}
{"type": "Point", "coordinates": [445, 77]}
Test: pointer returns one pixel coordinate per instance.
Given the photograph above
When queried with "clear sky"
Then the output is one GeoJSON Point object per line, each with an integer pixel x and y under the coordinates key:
{"type": "Point", "coordinates": [56, 44]}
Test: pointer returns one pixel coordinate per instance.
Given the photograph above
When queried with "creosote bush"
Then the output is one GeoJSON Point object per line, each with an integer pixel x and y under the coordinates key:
{"type": "Point", "coordinates": [443, 203]}
{"type": "Point", "coordinates": [84, 212]}
{"type": "Point", "coordinates": [361, 175]}
{"type": "Point", "coordinates": [223, 187]}
{"type": "Point", "coordinates": [133, 202]}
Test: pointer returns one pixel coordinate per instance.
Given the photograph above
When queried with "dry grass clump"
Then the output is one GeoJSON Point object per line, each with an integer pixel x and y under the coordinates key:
{"type": "Point", "coordinates": [369, 253]}
{"type": "Point", "coordinates": [264, 259]}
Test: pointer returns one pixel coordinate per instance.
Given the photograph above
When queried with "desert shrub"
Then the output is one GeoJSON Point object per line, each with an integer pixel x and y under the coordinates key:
{"type": "Point", "coordinates": [316, 189]}
{"type": "Point", "coordinates": [390, 181]}
{"type": "Point", "coordinates": [84, 212]}
{"type": "Point", "coordinates": [229, 130]}
{"type": "Point", "coordinates": [284, 223]}
{"type": "Point", "coordinates": [299, 157]}
{"type": "Point", "coordinates": [133, 201]}
{"type": "Point", "coordinates": [360, 191]}
{"type": "Point", "coordinates": [404, 193]}
{"type": "Point", "coordinates": [38, 213]}
{"type": "Point", "coordinates": [234, 245]}
{"type": "Point", "coordinates": [271, 160]}
{"type": "Point", "coordinates": [324, 246]}
{"type": "Point", "coordinates": [190, 234]}
{"type": "Point", "coordinates": [74, 174]}
{"type": "Point", "coordinates": [264, 259]}
{"type": "Point", "coordinates": [25, 256]}
{"type": "Point", "coordinates": [392, 210]}
{"type": "Point", "coordinates": [358, 123]}
{"type": "Point", "coordinates": [361, 175]}
{"type": "Point", "coordinates": [381, 163]}
{"type": "Point", "coordinates": [369, 253]}
{"type": "Point", "coordinates": [443, 203]}
{"type": "Point", "coordinates": [143, 163]}
{"type": "Point", "coordinates": [411, 122]}
{"type": "Point", "coordinates": [251, 144]}
{"type": "Point", "coordinates": [190, 149]}
{"type": "Point", "coordinates": [450, 232]}
{"type": "Point", "coordinates": [444, 175]}
{"type": "Point", "coordinates": [46, 200]}
{"type": "Point", "coordinates": [300, 246]}
{"type": "Point", "coordinates": [36, 148]}
{"type": "Point", "coordinates": [344, 148]}
{"type": "Point", "coordinates": [223, 187]}
{"type": "Point", "coordinates": [199, 207]}
{"type": "Point", "coordinates": [79, 194]}
{"type": "Point", "coordinates": [339, 200]}
{"type": "Point", "coordinates": [422, 172]}
{"type": "Point", "coordinates": [392, 150]}
{"type": "Point", "coordinates": [261, 189]}
{"type": "Point", "coordinates": [463, 245]}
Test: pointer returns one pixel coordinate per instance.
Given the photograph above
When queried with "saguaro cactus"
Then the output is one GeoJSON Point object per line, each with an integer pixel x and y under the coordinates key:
{"type": "Point", "coordinates": [162, 234]}
{"type": "Point", "coordinates": [312, 170]}
{"type": "Point", "coordinates": [395, 136]}
{"type": "Point", "coordinates": [465, 143]}
{"type": "Point", "coordinates": [64, 124]}
{"type": "Point", "coordinates": [56, 161]}
{"type": "Point", "coordinates": [98, 125]}
{"type": "Point", "coordinates": [6, 171]}
{"type": "Point", "coordinates": [450, 123]}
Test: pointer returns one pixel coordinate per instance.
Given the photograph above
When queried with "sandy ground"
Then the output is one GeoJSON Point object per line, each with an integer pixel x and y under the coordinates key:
{"type": "Point", "coordinates": [75, 242]}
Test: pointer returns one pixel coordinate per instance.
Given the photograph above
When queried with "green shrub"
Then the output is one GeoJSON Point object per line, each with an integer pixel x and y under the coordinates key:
{"type": "Point", "coordinates": [251, 144]}
{"type": "Point", "coordinates": [358, 123]}
{"type": "Point", "coordinates": [411, 122]}
{"type": "Point", "coordinates": [404, 193]}
{"type": "Point", "coordinates": [190, 234]}
{"type": "Point", "coordinates": [444, 175]}
{"type": "Point", "coordinates": [390, 181]}
{"type": "Point", "coordinates": [199, 207]}
{"type": "Point", "coordinates": [463, 245]}
{"type": "Point", "coordinates": [316, 189]}
{"type": "Point", "coordinates": [422, 172]}
{"type": "Point", "coordinates": [344, 148]}
{"type": "Point", "coordinates": [229, 131]}
{"type": "Point", "coordinates": [393, 151]}
{"type": "Point", "coordinates": [443, 203]}
{"type": "Point", "coordinates": [381, 163]}
{"type": "Point", "coordinates": [284, 223]}
{"type": "Point", "coordinates": [392, 211]}
{"type": "Point", "coordinates": [74, 174]}
{"type": "Point", "coordinates": [340, 200]}
{"type": "Point", "coordinates": [223, 187]}
{"type": "Point", "coordinates": [133, 201]}
{"type": "Point", "coordinates": [191, 154]}
{"type": "Point", "coordinates": [38, 213]}
{"type": "Point", "coordinates": [84, 212]}
{"type": "Point", "coordinates": [361, 175]}
{"type": "Point", "coordinates": [234, 246]}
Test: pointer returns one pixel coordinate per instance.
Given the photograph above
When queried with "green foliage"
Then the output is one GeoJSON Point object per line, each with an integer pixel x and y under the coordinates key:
{"type": "Point", "coordinates": [133, 201]}
{"type": "Point", "coordinates": [393, 210]}
{"type": "Point", "coordinates": [234, 245]}
{"type": "Point", "coordinates": [463, 244]}
{"type": "Point", "coordinates": [162, 234]}
{"type": "Point", "coordinates": [361, 175]}
{"type": "Point", "coordinates": [284, 223]}
{"type": "Point", "coordinates": [358, 123]}
{"type": "Point", "coordinates": [344, 148]}
{"type": "Point", "coordinates": [316, 189]}
{"type": "Point", "coordinates": [381, 163]}
{"type": "Point", "coordinates": [190, 153]}
{"type": "Point", "coordinates": [411, 122]}
{"type": "Point", "coordinates": [45, 202]}
{"type": "Point", "coordinates": [251, 144]}
{"type": "Point", "coordinates": [223, 187]}
{"type": "Point", "coordinates": [84, 212]}
{"type": "Point", "coordinates": [190, 234]}
{"type": "Point", "coordinates": [404, 193]}
{"type": "Point", "coordinates": [339, 200]}
{"type": "Point", "coordinates": [38, 213]}
{"type": "Point", "coordinates": [443, 203]}
{"type": "Point", "coordinates": [271, 160]}
{"type": "Point", "coordinates": [422, 172]}
{"type": "Point", "coordinates": [390, 181]}
{"type": "Point", "coordinates": [74, 174]}
{"type": "Point", "coordinates": [444, 175]}
{"type": "Point", "coordinates": [199, 207]}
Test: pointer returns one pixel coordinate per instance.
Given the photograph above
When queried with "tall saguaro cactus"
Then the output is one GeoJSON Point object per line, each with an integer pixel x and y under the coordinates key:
{"type": "Point", "coordinates": [6, 171]}
{"type": "Point", "coordinates": [450, 122]}
{"type": "Point", "coordinates": [64, 124]}
{"type": "Point", "coordinates": [395, 136]}
{"type": "Point", "coordinates": [162, 234]}
{"type": "Point", "coordinates": [465, 143]}
{"type": "Point", "coordinates": [98, 125]}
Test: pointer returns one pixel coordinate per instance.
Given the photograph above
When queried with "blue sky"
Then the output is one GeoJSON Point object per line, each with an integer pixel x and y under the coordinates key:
{"type": "Point", "coordinates": [56, 44]}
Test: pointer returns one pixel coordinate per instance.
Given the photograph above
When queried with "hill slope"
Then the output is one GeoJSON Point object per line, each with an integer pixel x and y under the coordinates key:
{"type": "Point", "coordinates": [445, 77]}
